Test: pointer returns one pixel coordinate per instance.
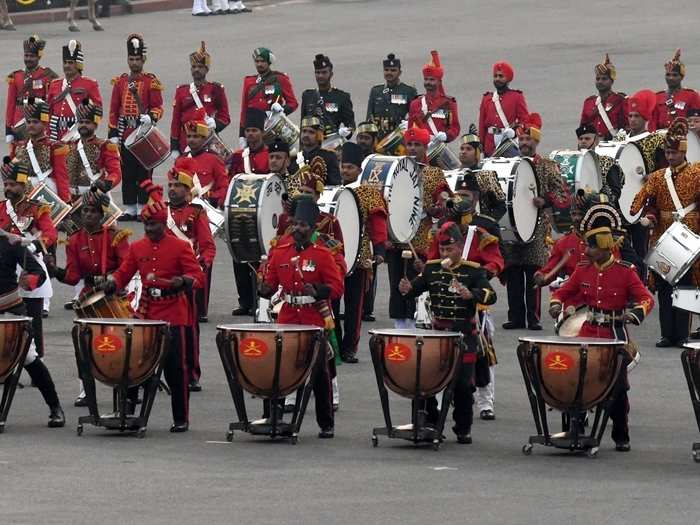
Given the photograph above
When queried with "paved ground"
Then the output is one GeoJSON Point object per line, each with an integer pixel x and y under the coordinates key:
{"type": "Point", "coordinates": [52, 476]}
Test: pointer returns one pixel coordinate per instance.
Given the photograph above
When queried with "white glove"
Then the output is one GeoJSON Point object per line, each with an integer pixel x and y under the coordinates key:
{"type": "Point", "coordinates": [145, 120]}
{"type": "Point", "coordinates": [9, 139]}
{"type": "Point", "coordinates": [509, 133]}
{"type": "Point", "coordinates": [211, 123]}
{"type": "Point", "coordinates": [441, 136]}
{"type": "Point", "coordinates": [114, 140]}
{"type": "Point", "coordinates": [403, 126]}
{"type": "Point", "coordinates": [277, 107]}
{"type": "Point", "coordinates": [174, 154]}
{"type": "Point", "coordinates": [344, 132]}
{"type": "Point", "coordinates": [242, 142]}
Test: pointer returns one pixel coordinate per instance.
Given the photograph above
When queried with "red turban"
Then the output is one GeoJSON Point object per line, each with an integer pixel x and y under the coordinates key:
{"type": "Point", "coordinates": [533, 126]}
{"type": "Point", "coordinates": [505, 68]}
{"type": "Point", "coordinates": [183, 171]}
{"type": "Point", "coordinates": [197, 123]}
{"type": "Point", "coordinates": [416, 134]}
{"type": "Point", "coordinates": [155, 210]}
{"type": "Point", "coordinates": [434, 67]}
{"type": "Point", "coordinates": [642, 102]}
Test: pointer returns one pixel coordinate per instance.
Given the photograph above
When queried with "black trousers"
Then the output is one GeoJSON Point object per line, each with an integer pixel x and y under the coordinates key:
{"type": "Point", "coordinates": [675, 323]}
{"type": "Point", "coordinates": [133, 174]}
{"type": "Point", "coordinates": [201, 295]}
{"type": "Point", "coordinates": [34, 307]}
{"type": "Point", "coordinates": [177, 375]}
{"type": "Point", "coordinates": [399, 306]}
{"type": "Point", "coordinates": [244, 275]}
{"type": "Point", "coordinates": [463, 413]}
{"type": "Point", "coordinates": [194, 372]}
{"type": "Point", "coordinates": [355, 288]}
{"type": "Point", "coordinates": [523, 299]}
{"type": "Point", "coordinates": [639, 237]}
{"type": "Point", "coordinates": [620, 409]}
{"type": "Point", "coordinates": [368, 306]}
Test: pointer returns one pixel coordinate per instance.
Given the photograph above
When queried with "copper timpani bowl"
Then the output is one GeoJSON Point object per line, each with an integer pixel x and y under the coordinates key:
{"type": "Point", "coordinates": [14, 332]}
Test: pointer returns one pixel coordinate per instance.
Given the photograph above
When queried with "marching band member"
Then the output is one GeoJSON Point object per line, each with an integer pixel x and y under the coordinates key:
{"type": "Point", "coordinates": [31, 82]}
{"type": "Point", "coordinates": [67, 93]}
{"type": "Point", "coordinates": [501, 111]}
{"type": "Point", "coordinates": [189, 222]}
{"type": "Point", "coordinates": [606, 110]}
{"type": "Point", "coordinates": [31, 220]}
{"type": "Point", "coordinates": [455, 287]}
{"type": "Point", "coordinates": [253, 158]}
{"type": "Point", "coordinates": [212, 180]}
{"type": "Point", "coordinates": [366, 137]}
{"type": "Point", "coordinates": [311, 138]}
{"type": "Point", "coordinates": [278, 158]}
{"type": "Point", "coordinates": [91, 161]}
{"type": "Point", "coordinates": [45, 158]}
{"type": "Point", "coordinates": [587, 137]}
{"type": "Point", "coordinates": [197, 95]}
{"type": "Point", "coordinates": [389, 103]}
{"type": "Point", "coordinates": [435, 111]}
{"type": "Point", "coordinates": [332, 106]}
{"type": "Point", "coordinates": [268, 90]}
{"type": "Point", "coordinates": [169, 272]}
{"type": "Point", "coordinates": [676, 100]}
{"type": "Point", "coordinates": [694, 120]}
{"type": "Point", "coordinates": [137, 100]}
{"type": "Point", "coordinates": [372, 249]}
{"type": "Point", "coordinates": [13, 254]}
{"type": "Point", "coordinates": [671, 194]}
{"type": "Point", "coordinates": [606, 285]}
{"type": "Point", "coordinates": [523, 260]}
{"type": "Point", "coordinates": [308, 275]}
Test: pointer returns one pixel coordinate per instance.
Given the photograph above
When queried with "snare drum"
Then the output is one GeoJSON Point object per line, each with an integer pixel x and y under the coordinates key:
{"type": "Point", "coordinates": [217, 146]}
{"type": "Point", "coordinates": [215, 217]}
{"type": "Point", "coordinates": [390, 143]}
{"type": "Point", "coordinates": [150, 147]}
{"type": "Point", "coordinates": [99, 305]}
{"type": "Point", "coordinates": [687, 298]}
{"type": "Point", "coordinates": [519, 183]}
{"type": "Point", "coordinates": [333, 142]}
{"type": "Point", "coordinates": [440, 155]}
{"type": "Point", "coordinates": [279, 125]}
{"type": "Point", "coordinates": [342, 203]}
{"type": "Point", "coordinates": [252, 211]}
{"type": "Point", "coordinates": [399, 179]}
{"type": "Point", "coordinates": [45, 195]}
{"type": "Point", "coordinates": [580, 169]}
{"type": "Point", "coordinates": [629, 158]}
{"type": "Point", "coordinates": [674, 253]}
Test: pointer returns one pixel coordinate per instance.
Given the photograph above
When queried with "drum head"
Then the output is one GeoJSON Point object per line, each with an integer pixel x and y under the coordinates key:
{"type": "Point", "coordinates": [342, 203]}
{"type": "Point", "coordinates": [269, 210]}
{"type": "Point", "coordinates": [588, 173]}
{"type": "Point", "coordinates": [629, 158]}
{"type": "Point", "coordinates": [571, 326]}
{"type": "Point", "coordinates": [693, 153]}
{"type": "Point", "coordinates": [521, 190]}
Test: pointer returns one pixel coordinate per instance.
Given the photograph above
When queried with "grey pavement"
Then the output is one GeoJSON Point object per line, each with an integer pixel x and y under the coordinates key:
{"type": "Point", "coordinates": [53, 476]}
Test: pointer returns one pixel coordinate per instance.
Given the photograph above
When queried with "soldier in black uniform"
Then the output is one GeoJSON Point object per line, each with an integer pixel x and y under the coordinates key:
{"type": "Point", "coordinates": [311, 137]}
{"type": "Point", "coordinates": [455, 287]}
{"type": "Point", "coordinates": [331, 105]}
{"type": "Point", "coordinates": [388, 102]}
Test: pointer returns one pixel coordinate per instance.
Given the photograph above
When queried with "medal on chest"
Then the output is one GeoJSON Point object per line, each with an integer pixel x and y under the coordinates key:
{"type": "Point", "coordinates": [331, 107]}
{"type": "Point", "coordinates": [308, 266]}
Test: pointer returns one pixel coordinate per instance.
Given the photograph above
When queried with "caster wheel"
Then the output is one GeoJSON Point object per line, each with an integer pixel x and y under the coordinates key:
{"type": "Point", "coordinates": [141, 433]}
{"type": "Point", "coordinates": [229, 436]}
{"type": "Point", "coordinates": [294, 440]}
{"type": "Point", "coordinates": [375, 441]}
{"type": "Point", "coordinates": [696, 456]}
{"type": "Point", "coordinates": [527, 449]}
{"type": "Point", "coordinates": [79, 430]}
{"type": "Point", "coordinates": [436, 445]}
{"type": "Point", "coordinates": [592, 452]}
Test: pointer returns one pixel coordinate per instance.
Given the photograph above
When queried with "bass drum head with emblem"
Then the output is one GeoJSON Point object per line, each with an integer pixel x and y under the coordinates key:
{"type": "Point", "coordinates": [629, 157]}
{"type": "Point", "coordinates": [342, 203]}
{"type": "Point", "coordinates": [580, 168]}
{"type": "Point", "coordinates": [693, 153]}
{"type": "Point", "coordinates": [399, 179]}
{"type": "Point", "coordinates": [252, 210]}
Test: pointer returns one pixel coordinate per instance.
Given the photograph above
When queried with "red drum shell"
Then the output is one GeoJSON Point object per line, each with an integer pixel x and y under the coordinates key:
{"type": "Point", "coordinates": [151, 148]}
{"type": "Point", "coordinates": [13, 337]}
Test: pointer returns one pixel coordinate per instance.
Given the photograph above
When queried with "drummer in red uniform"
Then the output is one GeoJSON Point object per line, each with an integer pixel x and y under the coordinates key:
{"type": "Point", "coordinates": [676, 100]}
{"type": "Point", "coordinates": [190, 223]}
{"type": "Point", "coordinates": [501, 111]}
{"type": "Point", "coordinates": [198, 94]}
{"type": "Point", "coordinates": [169, 272]}
{"type": "Point", "coordinates": [267, 91]}
{"type": "Point", "coordinates": [65, 94]}
{"type": "Point", "coordinates": [435, 111]}
{"type": "Point", "coordinates": [309, 277]}
{"type": "Point", "coordinates": [606, 286]}
{"type": "Point", "coordinates": [253, 158]}
{"type": "Point", "coordinates": [137, 99]}
{"type": "Point", "coordinates": [606, 110]}
{"type": "Point", "coordinates": [211, 181]}
{"type": "Point", "coordinates": [31, 82]}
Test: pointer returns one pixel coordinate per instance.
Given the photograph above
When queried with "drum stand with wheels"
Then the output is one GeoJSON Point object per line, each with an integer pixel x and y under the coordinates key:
{"type": "Point", "coordinates": [274, 426]}
{"type": "Point", "coordinates": [572, 437]}
{"type": "Point", "coordinates": [120, 420]}
{"type": "Point", "coordinates": [690, 361]}
{"type": "Point", "coordinates": [417, 431]}
{"type": "Point", "coordinates": [12, 380]}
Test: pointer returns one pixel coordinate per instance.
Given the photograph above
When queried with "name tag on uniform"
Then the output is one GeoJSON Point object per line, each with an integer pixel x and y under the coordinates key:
{"type": "Point", "coordinates": [440, 113]}
{"type": "Point", "coordinates": [397, 98]}
{"type": "Point", "coordinates": [38, 84]}
{"type": "Point", "coordinates": [269, 89]}
{"type": "Point", "coordinates": [331, 107]}
{"type": "Point", "coordinates": [308, 266]}
{"type": "Point", "coordinates": [679, 105]}
{"type": "Point", "coordinates": [207, 98]}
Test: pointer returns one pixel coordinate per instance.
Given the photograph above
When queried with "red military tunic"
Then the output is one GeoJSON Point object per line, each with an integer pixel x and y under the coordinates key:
{"type": "Point", "coordinates": [275, 86]}
{"type": "Point", "coordinates": [192, 221]}
{"type": "Point", "coordinates": [441, 108]}
{"type": "Point", "coordinates": [61, 116]}
{"type": "Point", "coordinates": [124, 111]}
{"type": "Point", "coordinates": [107, 163]}
{"type": "Point", "coordinates": [608, 287]}
{"type": "Point", "coordinates": [214, 101]}
{"type": "Point", "coordinates": [49, 155]}
{"type": "Point", "coordinates": [326, 225]}
{"type": "Point", "coordinates": [570, 243]}
{"type": "Point", "coordinates": [483, 250]}
{"type": "Point", "coordinates": [211, 172]}
{"type": "Point", "coordinates": [666, 110]}
{"type": "Point", "coordinates": [315, 265]}
{"type": "Point", "coordinates": [37, 217]}
{"type": "Point", "coordinates": [258, 161]}
{"type": "Point", "coordinates": [514, 108]}
{"type": "Point", "coordinates": [164, 259]}
{"type": "Point", "coordinates": [17, 92]}
{"type": "Point", "coordinates": [94, 254]}
{"type": "Point", "coordinates": [615, 106]}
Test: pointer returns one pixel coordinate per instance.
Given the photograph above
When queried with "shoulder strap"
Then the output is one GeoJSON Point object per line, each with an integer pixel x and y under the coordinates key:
{"type": "Point", "coordinates": [680, 210]}
{"type": "Point", "coordinates": [604, 115]}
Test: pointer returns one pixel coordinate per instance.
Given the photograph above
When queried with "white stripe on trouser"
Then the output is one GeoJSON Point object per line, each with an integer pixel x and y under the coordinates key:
{"type": "Point", "coordinates": [31, 354]}
{"type": "Point", "coordinates": [485, 396]}
{"type": "Point", "coordinates": [336, 391]}
{"type": "Point", "coordinates": [404, 323]}
{"type": "Point", "coordinates": [291, 398]}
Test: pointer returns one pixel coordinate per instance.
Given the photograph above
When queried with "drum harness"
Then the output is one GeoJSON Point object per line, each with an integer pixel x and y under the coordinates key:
{"type": "Point", "coordinates": [680, 212]}
{"type": "Point", "coordinates": [428, 115]}
{"type": "Point", "coordinates": [604, 115]}
{"type": "Point", "coordinates": [36, 167]}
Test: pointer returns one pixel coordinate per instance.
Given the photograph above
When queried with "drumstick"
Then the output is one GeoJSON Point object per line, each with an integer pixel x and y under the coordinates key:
{"type": "Point", "coordinates": [557, 268]}
{"type": "Point", "coordinates": [406, 255]}
{"type": "Point", "coordinates": [413, 250]}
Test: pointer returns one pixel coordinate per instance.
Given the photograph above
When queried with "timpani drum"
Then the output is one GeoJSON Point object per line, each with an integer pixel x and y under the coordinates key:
{"type": "Point", "coordinates": [629, 158]}
{"type": "Point", "coordinates": [15, 339]}
{"type": "Point", "coordinates": [342, 203]}
{"type": "Point", "coordinates": [150, 147]}
{"type": "Point", "coordinates": [674, 253]}
{"type": "Point", "coordinates": [99, 305]}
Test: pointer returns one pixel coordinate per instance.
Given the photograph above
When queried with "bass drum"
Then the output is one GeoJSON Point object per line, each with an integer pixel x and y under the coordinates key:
{"type": "Point", "coordinates": [342, 203]}
{"type": "Point", "coordinates": [629, 158]}
{"type": "Point", "coordinates": [399, 179]}
{"type": "Point", "coordinates": [252, 211]}
{"type": "Point", "coordinates": [580, 168]}
{"type": "Point", "coordinates": [517, 178]}
{"type": "Point", "coordinates": [693, 153]}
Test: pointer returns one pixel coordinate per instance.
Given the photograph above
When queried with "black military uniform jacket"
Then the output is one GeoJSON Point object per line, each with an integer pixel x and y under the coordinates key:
{"type": "Point", "coordinates": [10, 256]}
{"type": "Point", "coordinates": [331, 159]}
{"type": "Point", "coordinates": [388, 106]}
{"type": "Point", "coordinates": [332, 107]}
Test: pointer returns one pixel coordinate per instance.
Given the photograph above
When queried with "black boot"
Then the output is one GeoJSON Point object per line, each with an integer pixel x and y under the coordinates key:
{"type": "Point", "coordinates": [57, 418]}
{"type": "Point", "coordinates": [41, 377]}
